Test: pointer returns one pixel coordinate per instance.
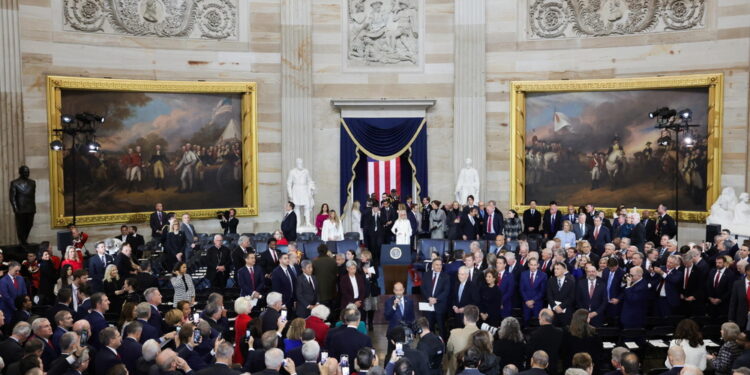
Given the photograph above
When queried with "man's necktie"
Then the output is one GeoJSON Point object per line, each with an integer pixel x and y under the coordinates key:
{"type": "Point", "coordinates": [104, 262]}
{"type": "Point", "coordinates": [15, 282]}
{"type": "Point", "coordinates": [596, 233]}
{"type": "Point", "coordinates": [716, 280]}
{"type": "Point", "coordinates": [309, 279]}
{"type": "Point", "coordinates": [591, 288]}
{"type": "Point", "coordinates": [286, 271]}
{"type": "Point", "coordinates": [687, 277]}
{"type": "Point", "coordinates": [489, 224]}
{"type": "Point", "coordinates": [273, 255]}
{"type": "Point", "coordinates": [434, 282]}
{"type": "Point", "coordinates": [252, 277]}
{"type": "Point", "coordinates": [499, 279]}
{"type": "Point", "coordinates": [559, 284]}
{"type": "Point", "coordinates": [158, 213]}
{"type": "Point", "coordinates": [532, 279]}
{"type": "Point", "coordinates": [461, 291]}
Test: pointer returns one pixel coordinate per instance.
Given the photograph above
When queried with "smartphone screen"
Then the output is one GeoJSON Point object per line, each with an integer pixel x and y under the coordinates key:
{"type": "Point", "coordinates": [323, 357]}
{"type": "Point", "coordinates": [283, 315]}
{"type": "Point", "coordinates": [196, 336]}
{"type": "Point", "coordinates": [84, 337]}
{"type": "Point", "coordinates": [399, 349]}
{"type": "Point", "coordinates": [196, 318]}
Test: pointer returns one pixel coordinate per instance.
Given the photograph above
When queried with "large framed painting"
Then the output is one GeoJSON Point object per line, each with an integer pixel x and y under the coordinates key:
{"type": "Point", "coordinates": [594, 141]}
{"type": "Point", "coordinates": [189, 145]}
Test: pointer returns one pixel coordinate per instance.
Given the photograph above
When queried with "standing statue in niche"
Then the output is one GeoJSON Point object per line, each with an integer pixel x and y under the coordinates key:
{"type": "Point", "coordinates": [742, 211]}
{"type": "Point", "coordinates": [300, 188]}
{"type": "Point", "coordinates": [467, 183]}
{"type": "Point", "coordinates": [23, 201]}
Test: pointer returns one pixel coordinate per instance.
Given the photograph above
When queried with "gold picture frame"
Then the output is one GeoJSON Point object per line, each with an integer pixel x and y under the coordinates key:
{"type": "Point", "coordinates": [713, 82]}
{"type": "Point", "coordinates": [249, 142]}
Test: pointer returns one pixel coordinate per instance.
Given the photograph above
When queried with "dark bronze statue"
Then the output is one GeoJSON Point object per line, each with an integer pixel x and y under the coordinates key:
{"type": "Point", "coordinates": [23, 200]}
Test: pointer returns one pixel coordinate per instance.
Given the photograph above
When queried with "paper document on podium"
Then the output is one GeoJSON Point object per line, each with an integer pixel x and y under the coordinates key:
{"type": "Point", "coordinates": [424, 306]}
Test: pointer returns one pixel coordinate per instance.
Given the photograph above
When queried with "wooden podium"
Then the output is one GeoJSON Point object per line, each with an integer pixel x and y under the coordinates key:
{"type": "Point", "coordinates": [395, 260]}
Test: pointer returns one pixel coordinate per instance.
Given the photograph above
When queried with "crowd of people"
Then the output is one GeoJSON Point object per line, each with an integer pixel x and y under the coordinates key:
{"type": "Point", "coordinates": [532, 294]}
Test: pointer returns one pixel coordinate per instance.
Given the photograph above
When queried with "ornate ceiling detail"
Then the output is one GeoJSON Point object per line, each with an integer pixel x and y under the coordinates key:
{"type": "Point", "coordinates": [549, 19]}
{"type": "Point", "coordinates": [215, 19]}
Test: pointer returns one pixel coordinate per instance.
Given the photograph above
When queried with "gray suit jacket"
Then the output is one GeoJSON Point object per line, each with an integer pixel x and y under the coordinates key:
{"type": "Point", "coordinates": [305, 295]}
{"type": "Point", "coordinates": [189, 233]}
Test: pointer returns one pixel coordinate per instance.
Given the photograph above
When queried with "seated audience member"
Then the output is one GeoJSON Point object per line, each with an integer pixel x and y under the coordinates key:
{"type": "Point", "coordinates": [630, 364]}
{"type": "Point", "coordinates": [538, 364]}
{"type": "Point", "coordinates": [675, 360]}
{"type": "Point", "coordinates": [616, 360]}
{"type": "Point", "coordinates": [582, 361]}
{"type": "Point", "coordinates": [729, 350]}
{"type": "Point", "coordinates": [310, 353]}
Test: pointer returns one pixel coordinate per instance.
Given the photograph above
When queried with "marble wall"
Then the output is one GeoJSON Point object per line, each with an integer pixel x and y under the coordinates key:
{"type": "Point", "coordinates": [267, 37]}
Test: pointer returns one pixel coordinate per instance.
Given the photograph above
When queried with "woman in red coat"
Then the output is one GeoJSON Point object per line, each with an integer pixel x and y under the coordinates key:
{"type": "Point", "coordinates": [242, 307]}
{"type": "Point", "coordinates": [317, 322]}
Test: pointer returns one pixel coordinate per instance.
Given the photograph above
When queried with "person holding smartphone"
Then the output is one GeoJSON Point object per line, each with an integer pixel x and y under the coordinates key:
{"type": "Point", "coordinates": [188, 339]}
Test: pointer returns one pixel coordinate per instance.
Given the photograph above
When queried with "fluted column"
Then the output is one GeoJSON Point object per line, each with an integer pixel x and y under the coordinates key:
{"type": "Point", "coordinates": [469, 88]}
{"type": "Point", "coordinates": [296, 86]}
{"type": "Point", "coordinates": [11, 113]}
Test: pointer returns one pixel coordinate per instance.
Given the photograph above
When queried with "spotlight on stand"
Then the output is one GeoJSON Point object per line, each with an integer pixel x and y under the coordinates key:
{"type": "Point", "coordinates": [662, 113]}
{"type": "Point", "coordinates": [685, 114]}
{"type": "Point", "coordinates": [56, 145]}
{"type": "Point", "coordinates": [688, 140]}
{"type": "Point", "coordinates": [664, 141]}
{"type": "Point", "coordinates": [92, 146]}
{"type": "Point", "coordinates": [94, 118]}
{"type": "Point", "coordinates": [67, 119]}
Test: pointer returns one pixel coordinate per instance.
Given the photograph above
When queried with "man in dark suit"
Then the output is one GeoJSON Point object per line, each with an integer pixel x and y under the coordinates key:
{"type": "Point", "coordinates": [306, 290]}
{"type": "Point", "coordinates": [506, 282]}
{"type": "Point", "coordinates": [97, 264]}
{"type": "Point", "coordinates": [591, 294]}
{"type": "Point", "coordinates": [649, 227]}
{"type": "Point", "coordinates": [188, 348]}
{"type": "Point", "coordinates": [463, 293]}
{"type": "Point", "coordinates": [561, 288]}
{"type": "Point", "coordinates": [43, 332]}
{"type": "Point", "coordinates": [269, 259]}
{"type": "Point", "coordinates": [635, 299]}
{"type": "Point", "coordinates": [436, 290]}
{"type": "Point", "coordinates": [130, 348]}
{"type": "Point", "coordinates": [571, 215]}
{"type": "Point", "coordinates": [540, 360]}
{"type": "Point", "coordinates": [223, 363]}
{"type": "Point", "coordinates": [153, 298]}
{"type": "Point", "coordinates": [547, 338]}
{"type": "Point", "coordinates": [676, 358]}
{"type": "Point", "coordinates": [64, 321]}
{"type": "Point", "coordinates": [187, 229]}
{"type": "Point", "coordinates": [347, 340]}
{"type": "Point", "coordinates": [532, 287]}
{"type": "Point", "coordinates": [389, 216]}
{"type": "Point", "coordinates": [218, 264]}
{"type": "Point", "coordinates": [64, 298]}
{"type": "Point", "coordinates": [289, 222]}
{"type": "Point", "coordinates": [68, 345]}
{"type": "Point", "coordinates": [84, 307]}
{"type": "Point", "coordinates": [136, 241]}
{"type": "Point", "coordinates": [552, 221]}
{"type": "Point", "coordinates": [669, 285]}
{"type": "Point", "coordinates": [124, 233]}
{"type": "Point", "coordinates": [11, 349]}
{"type": "Point", "coordinates": [582, 230]}
{"type": "Point", "coordinates": [493, 222]}
{"type": "Point", "coordinates": [738, 301]}
{"type": "Point", "coordinates": [157, 221]}
{"type": "Point", "coordinates": [399, 308]}
{"type": "Point", "coordinates": [372, 229]}
{"type": "Point", "coordinates": [718, 289]}
{"type": "Point", "coordinates": [600, 236]}
{"type": "Point", "coordinates": [250, 277]}
{"type": "Point", "coordinates": [532, 219]}
{"type": "Point", "coordinates": [12, 286]}
{"type": "Point", "coordinates": [665, 224]}
{"type": "Point", "coordinates": [108, 357]}
{"type": "Point", "coordinates": [471, 228]}
{"type": "Point", "coordinates": [238, 255]}
{"type": "Point", "coordinates": [283, 280]}
{"type": "Point", "coordinates": [99, 307]}
{"type": "Point", "coordinates": [612, 279]}
{"type": "Point", "coordinates": [418, 359]}
{"type": "Point", "coordinates": [255, 359]}
{"type": "Point", "coordinates": [695, 272]}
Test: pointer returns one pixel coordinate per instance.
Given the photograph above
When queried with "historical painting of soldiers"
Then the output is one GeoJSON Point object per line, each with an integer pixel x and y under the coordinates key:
{"type": "Point", "coordinates": [603, 147]}
{"type": "Point", "coordinates": [383, 34]}
{"type": "Point", "coordinates": [185, 150]}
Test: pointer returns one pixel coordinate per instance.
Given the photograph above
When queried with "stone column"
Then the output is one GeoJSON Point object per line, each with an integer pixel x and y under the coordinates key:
{"type": "Point", "coordinates": [296, 86]}
{"type": "Point", "coordinates": [469, 88]}
{"type": "Point", "coordinates": [11, 113]}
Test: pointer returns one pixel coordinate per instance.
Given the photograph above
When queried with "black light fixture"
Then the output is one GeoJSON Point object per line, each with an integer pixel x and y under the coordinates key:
{"type": "Point", "coordinates": [670, 120]}
{"type": "Point", "coordinates": [74, 125]}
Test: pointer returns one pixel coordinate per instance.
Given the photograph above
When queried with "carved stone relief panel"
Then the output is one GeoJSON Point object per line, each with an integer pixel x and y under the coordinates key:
{"type": "Point", "coordinates": [383, 34]}
{"type": "Point", "coordinates": [191, 19]}
{"type": "Point", "coordinates": [550, 19]}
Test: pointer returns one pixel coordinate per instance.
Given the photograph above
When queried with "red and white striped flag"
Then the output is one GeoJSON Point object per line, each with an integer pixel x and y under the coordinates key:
{"type": "Point", "coordinates": [382, 176]}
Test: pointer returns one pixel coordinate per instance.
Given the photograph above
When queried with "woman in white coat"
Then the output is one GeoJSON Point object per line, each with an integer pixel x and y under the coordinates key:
{"type": "Point", "coordinates": [402, 228]}
{"type": "Point", "coordinates": [355, 216]}
{"type": "Point", "coordinates": [332, 228]}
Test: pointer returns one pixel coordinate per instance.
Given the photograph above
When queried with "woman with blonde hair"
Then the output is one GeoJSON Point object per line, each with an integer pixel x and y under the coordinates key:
{"type": "Point", "coordinates": [73, 258]}
{"type": "Point", "coordinates": [294, 335]}
{"type": "Point", "coordinates": [354, 219]}
{"type": "Point", "coordinates": [332, 229]}
{"type": "Point", "coordinates": [242, 307]}
{"type": "Point", "coordinates": [114, 288]}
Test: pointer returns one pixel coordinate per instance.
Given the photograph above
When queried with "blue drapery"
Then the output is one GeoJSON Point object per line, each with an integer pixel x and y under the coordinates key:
{"type": "Point", "coordinates": [382, 139]}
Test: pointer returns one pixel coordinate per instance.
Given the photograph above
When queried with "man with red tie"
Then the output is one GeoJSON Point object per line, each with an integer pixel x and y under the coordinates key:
{"type": "Point", "coordinates": [533, 285]}
{"type": "Point", "coordinates": [43, 331]}
{"type": "Point", "coordinates": [739, 302]}
{"type": "Point", "coordinates": [436, 288]}
{"type": "Point", "coordinates": [506, 282]}
{"type": "Point", "coordinates": [12, 286]}
{"type": "Point", "coordinates": [718, 288]}
{"type": "Point", "coordinates": [493, 222]}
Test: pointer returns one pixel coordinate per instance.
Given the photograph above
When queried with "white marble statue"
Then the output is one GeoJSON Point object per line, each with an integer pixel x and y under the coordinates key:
{"type": "Point", "coordinates": [742, 211]}
{"type": "Point", "coordinates": [722, 211]}
{"type": "Point", "coordinates": [300, 188]}
{"type": "Point", "coordinates": [467, 183]}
